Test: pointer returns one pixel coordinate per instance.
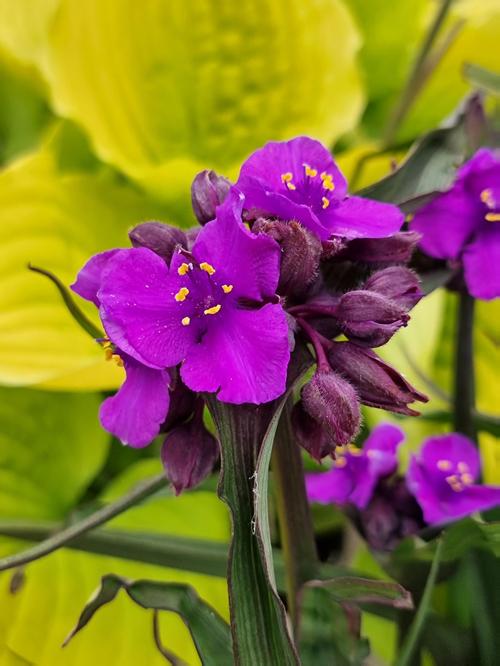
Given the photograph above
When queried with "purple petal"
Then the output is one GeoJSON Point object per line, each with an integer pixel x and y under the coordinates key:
{"type": "Point", "coordinates": [381, 448]}
{"type": "Point", "coordinates": [249, 262]}
{"type": "Point", "coordinates": [447, 223]}
{"type": "Point", "coordinates": [356, 217]}
{"type": "Point", "coordinates": [135, 413]}
{"type": "Point", "coordinates": [482, 263]}
{"type": "Point", "coordinates": [139, 311]}
{"type": "Point", "coordinates": [483, 159]}
{"type": "Point", "coordinates": [88, 280]}
{"type": "Point", "coordinates": [332, 487]}
{"type": "Point", "coordinates": [245, 355]}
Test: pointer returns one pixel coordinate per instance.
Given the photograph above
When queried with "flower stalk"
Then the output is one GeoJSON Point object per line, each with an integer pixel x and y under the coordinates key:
{"type": "Point", "coordinates": [464, 379]}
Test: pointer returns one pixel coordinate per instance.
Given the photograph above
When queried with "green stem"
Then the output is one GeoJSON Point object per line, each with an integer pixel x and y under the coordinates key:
{"type": "Point", "coordinates": [464, 387]}
{"type": "Point", "coordinates": [295, 523]}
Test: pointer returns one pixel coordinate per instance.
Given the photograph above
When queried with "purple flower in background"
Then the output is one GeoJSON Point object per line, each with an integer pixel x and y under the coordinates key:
{"type": "Point", "coordinates": [136, 412]}
{"type": "Point", "coordinates": [463, 224]}
{"type": "Point", "coordinates": [442, 479]}
{"type": "Point", "coordinates": [299, 180]}
{"type": "Point", "coordinates": [213, 310]}
{"type": "Point", "coordinates": [356, 472]}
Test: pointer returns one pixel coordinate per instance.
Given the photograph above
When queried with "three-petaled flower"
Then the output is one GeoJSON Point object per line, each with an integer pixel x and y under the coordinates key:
{"type": "Point", "coordinates": [299, 180]}
{"type": "Point", "coordinates": [464, 224]}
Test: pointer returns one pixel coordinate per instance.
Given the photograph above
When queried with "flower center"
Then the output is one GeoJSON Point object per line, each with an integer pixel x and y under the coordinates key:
{"type": "Point", "coordinates": [310, 187]}
{"type": "Point", "coordinates": [202, 296]}
{"type": "Point", "coordinates": [489, 201]}
{"type": "Point", "coordinates": [460, 477]}
{"type": "Point", "coordinates": [110, 352]}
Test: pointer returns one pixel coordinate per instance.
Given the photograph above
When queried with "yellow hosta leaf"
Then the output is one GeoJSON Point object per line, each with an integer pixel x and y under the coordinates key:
{"type": "Point", "coordinates": [56, 220]}
{"type": "Point", "coordinates": [24, 27]}
{"type": "Point", "coordinates": [164, 88]}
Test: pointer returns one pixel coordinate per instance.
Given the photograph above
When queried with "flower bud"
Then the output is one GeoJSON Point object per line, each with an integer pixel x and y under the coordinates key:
{"type": "Point", "coordinates": [332, 402]}
{"type": "Point", "coordinates": [310, 434]}
{"type": "Point", "coordinates": [188, 454]}
{"type": "Point", "coordinates": [182, 403]}
{"type": "Point", "coordinates": [395, 249]}
{"type": "Point", "coordinates": [208, 191]}
{"type": "Point", "coordinates": [159, 237]}
{"type": "Point", "coordinates": [369, 318]}
{"type": "Point", "coordinates": [377, 383]}
{"type": "Point", "coordinates": [300, 254]}
{"type": "Point", "coordinates": [397, 283]}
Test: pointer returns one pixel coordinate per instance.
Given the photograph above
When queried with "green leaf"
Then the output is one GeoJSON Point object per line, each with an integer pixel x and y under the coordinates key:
{"type": "Point", "coordinates": [432, 163]}
{"type": "Point", "coordinates": [210, 633]}
{"type": "Point", "coordinates": [482, 78]}
{"type": "Point", "coordinates": [57, 219]}
{"type": "Point", "coordinates": [356, 590]}
{"type": "Point", "coordinates": [210, 85]}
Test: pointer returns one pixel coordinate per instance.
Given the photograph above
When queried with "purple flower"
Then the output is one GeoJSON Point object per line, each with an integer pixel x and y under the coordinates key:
{"type": "Point", "coordinates": [213, 310]}
{"type": "Point", "coordinates": [442, 479]}
{"type": "Point", "coordinates": [299, 180]}
{"type": "Point", "coordinates": [463, 224]}
{"type": "Point", "coordinates": [355, 472]}
{"type": "Point", "coordinates": [136, 412]}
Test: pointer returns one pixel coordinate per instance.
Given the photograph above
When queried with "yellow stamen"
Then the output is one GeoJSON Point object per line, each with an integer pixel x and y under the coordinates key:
{"type": "Point", "coordinates": [463, 467]}
{"type": "Point", "coordinates": [108, 354]}
{"type": "Point", "coordinates": [341, 449]}
{"type": "Point", "coordinates": [492, 217]}
{"type": "Point", "coordinates": [183, 269]}
{"type": "Point", "coordinates": [208, 268]}
{"type": "Point", "coordinates": [291, 186]}
{"type": "Point", "coordinates": [325, 201]}
{"type": "Point", "coordinates": [312, 173]}
{"type": "Point", "coordinates": [185, 321]}
{"type": "Point", "coordinates": [328, 184]}
{"type": "Point", "coordinates": [467, 479]}
{"type": "Point", "coordinates": [286, 177]}
{"type": "Point", "coordinates": [353, 450]}
{"type": "Point", "coordinates": [213, 310]}
{"type": "Point", "coordinates": [118, 360]}
{"type": "Point", "coordinates": [324, 175]}
{"type": "Point", "coordinates": [181, 294]}
{"type": "Point", "coordinates": [487, 198]}
{"type": "Point", "coordinates": [340, 461]}
{"type": "Point", "coordinates": [444, 465]}
{"type": "Point", "coordinates": [227, 288]}
{"type": "Point", "coordinates": [457, 486]}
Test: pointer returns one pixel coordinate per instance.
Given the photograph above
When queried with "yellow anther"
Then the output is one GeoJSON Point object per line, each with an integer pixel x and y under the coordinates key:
{"type": "Point", "coordinates": [492, 217]}
{"type": "Point", "coordinates": [340, 461]}
{"type": "Point", "coordinates": [208, 268]}
{"type": "Point", "coordinates": [324, 175]}
{"type": "Point", "coordinates": [291, 186]}
{"type": "Point", "coordinates": [353, 450]}
{"type": "Point", "coordinates": [227, 288]}
{"type": "Point", "coordinates": [181, 294]}
{"type": "Point", "coordinates": [286, 177]}
{"type": "Point", "coordinates": [108, 353]}
{"type": "Point", "coordinates": [457, 486]}
{"type": "Point", "coordinates": [118, 360]}
{"type": "Point", "coordinates": [312, 173]}
{"type": "Point", "coordinates": [462, 467]}
{"type": "Point", "coordinates": [341, 449]}
{"type": "Point", "coordinates": [467, 479]}
{"type": "Point", "coordinates": [185, 321]}
{"type": "Point", "coordinates": [444, 465]}
{"type": "Point", "coordinates": [183, 269]}
{"type": "Point", "coordinates": [487, 198]}
{"type": "Point", "coordinates": [325, 202]}
{"type": "Point", "coordinates": [213, 310]}
{"type": "Point", "coordinates": [328, 184]}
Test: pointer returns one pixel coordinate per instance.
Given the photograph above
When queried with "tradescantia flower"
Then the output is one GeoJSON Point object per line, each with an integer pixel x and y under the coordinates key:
{"type": "Point", "coordinates": [463, 224]}
{"type": "Point", "coordinates": [356, 472]}
{"type": "Point", "coordinates": [442, 479]}
{"type": "Point", "coordinates": [299, 180]}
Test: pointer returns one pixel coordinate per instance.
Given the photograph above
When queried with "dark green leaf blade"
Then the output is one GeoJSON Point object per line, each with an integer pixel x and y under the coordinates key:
{"type": "Point", "coordinates": [210, 633]}
{"type": "Point", "coordinates": [482, 78]}
{"type": "Point", "coordinates": [352, 589]}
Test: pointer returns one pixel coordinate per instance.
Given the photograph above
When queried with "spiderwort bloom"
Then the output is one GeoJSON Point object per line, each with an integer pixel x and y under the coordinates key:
{"type": "Point", "coordinates": [299, 180]}
{"type": "Point", "coordinates": [442, 476]}
{"type": "Point", "coordinates": [213, 310]}
{"type": "Point", "coordinates": [356, 472]}
{"type": "Point", "coordinates": [463, 224]}
{"type": "Point", "coordinates": [136, 412]}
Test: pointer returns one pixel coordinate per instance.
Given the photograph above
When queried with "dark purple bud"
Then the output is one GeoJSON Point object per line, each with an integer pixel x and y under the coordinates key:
{"type": "Point", "coordinates": [333, 247]}
{"type": "Point", "coordinates": [369, 318]}
{"type": "Point", "coordinates": [300, 254]}
{"type": "Point", "coordinates": [189, 453]}
{"type": "Point", "coordinates": [207, 192]}
{"type": "Point", "coordinates": [397, 283]}
{"type": "Point", "coordinates": [332, 402]}
{"type": "Point", "coordinates": [392, 515]}
{"type": "Point", "coordinates": [396, 249]}
{"type": "Point", "coordinates": [377, 383]}
{"type": "Point", "coordinates": [310, 434]}
{"type": "Point", "coordinates": [191, 236]}
{"type": "Point", "coordinates": [161, 238]}
{"type": "Point", "coordinates": [182, 403]}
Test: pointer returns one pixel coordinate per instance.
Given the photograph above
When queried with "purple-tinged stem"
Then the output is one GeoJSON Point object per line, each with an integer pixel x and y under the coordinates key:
{"type": "Point", "coordinates": [317, 341]}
